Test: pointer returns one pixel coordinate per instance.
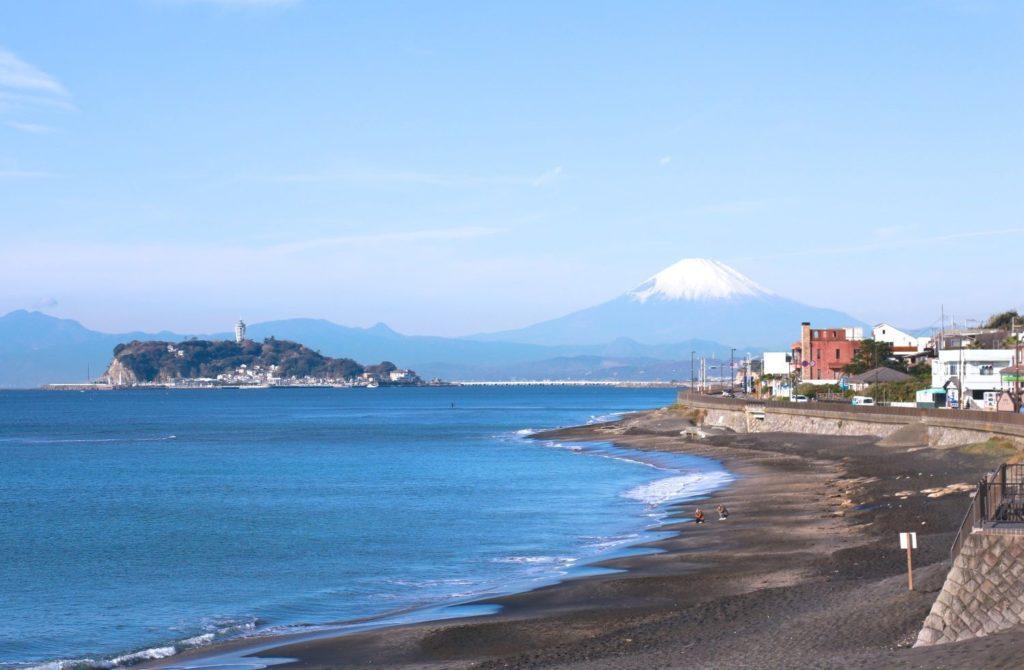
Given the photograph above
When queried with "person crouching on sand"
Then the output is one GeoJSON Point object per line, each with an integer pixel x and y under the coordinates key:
{"type": "Point", "coordinates": [698, 515]}
{"type": "Point", "coordinates": [723, 512]}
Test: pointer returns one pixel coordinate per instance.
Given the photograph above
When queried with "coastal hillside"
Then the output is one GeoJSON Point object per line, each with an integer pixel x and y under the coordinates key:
{"type": "Point", "coordinates": [161, 362]}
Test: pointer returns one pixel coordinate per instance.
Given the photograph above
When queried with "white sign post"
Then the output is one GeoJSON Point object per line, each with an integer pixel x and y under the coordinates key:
{"type": "Point", "coordinates": [908, 541]}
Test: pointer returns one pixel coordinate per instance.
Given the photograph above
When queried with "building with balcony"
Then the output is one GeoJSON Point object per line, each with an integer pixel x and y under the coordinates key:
{"type": "Point", "coordinates": [972, 377]}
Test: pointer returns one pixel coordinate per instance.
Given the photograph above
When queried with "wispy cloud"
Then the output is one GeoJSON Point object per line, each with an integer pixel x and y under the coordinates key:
{"type": "Point", "coordinates": [23, 174]}
{"type": "Point", "coordinates": [892, 243]}
{"type": "Point", "coordinates": [548, 177]}
{"type": "Point", "coordinates": [237, 4]}
{"type": "Point", "coordinates": [34, 128]}
{"type": "Point", "coordinates": [385, 177]}
{"type": "Point", "coordinates": [26, 88]}
{"type": "Point", "coordinates": [21, 76]}
{"type": "Point", "coordinates": [730, 208]}
{"type": "Point", "coordinates": [664, 160]}
{"type": "Point", "coordinates": [404, 237]}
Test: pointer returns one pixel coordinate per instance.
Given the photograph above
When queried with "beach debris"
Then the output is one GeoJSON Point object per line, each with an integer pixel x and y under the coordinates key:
{"type": "Point", "coordinates": [941, 491]}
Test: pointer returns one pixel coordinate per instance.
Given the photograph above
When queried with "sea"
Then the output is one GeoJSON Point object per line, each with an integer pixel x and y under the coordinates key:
{"type": "Point", "coordinates": [138, 524]}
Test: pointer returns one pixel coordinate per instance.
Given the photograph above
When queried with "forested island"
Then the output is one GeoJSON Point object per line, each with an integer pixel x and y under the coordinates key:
{"type": "Point", "coordinates": [271, 362]}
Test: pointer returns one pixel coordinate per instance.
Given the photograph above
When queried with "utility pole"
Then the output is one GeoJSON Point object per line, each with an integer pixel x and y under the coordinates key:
{"type": "Point", "coordinates": [732, 371]}
{"type": "Point", "coordinates": [1016, 395]}
{"type": "Point", "coordinates": [692, 371]}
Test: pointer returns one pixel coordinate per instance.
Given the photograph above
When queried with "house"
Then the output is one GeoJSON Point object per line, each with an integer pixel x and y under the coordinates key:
{"type": "Point", "coordinates": [776, 368]}
{"type": "Point", "coordinates": [973, 375]}
{"type": "Point", "coordinates": [879, 375]}
{"type": "Point", "coordinates": [777, 363]}
{"type": "Point", "coordinates": [822, 353]}
{"type": "Point", "coordinates": [901, 341]}
{"type": "Point", "coordinates": [979, 338]}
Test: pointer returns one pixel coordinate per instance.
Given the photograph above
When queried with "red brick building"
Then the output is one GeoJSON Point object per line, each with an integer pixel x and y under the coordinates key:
{"type": "Point", "coordinates": [822, 353]}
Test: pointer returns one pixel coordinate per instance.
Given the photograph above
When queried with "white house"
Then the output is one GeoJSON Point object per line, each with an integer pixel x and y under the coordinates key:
{"type": "Point", "coordinates": [901, 341]}
{"type": "Point", "coordinates": [976, 370]}
{"type": "Point", "coordinates": [776, 367]}
{"type": "Point", "coordinates": [776, 363]}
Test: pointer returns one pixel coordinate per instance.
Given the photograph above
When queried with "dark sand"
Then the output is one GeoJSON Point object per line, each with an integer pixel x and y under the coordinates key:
{"type": "Point", "coordinates": [806, 573]}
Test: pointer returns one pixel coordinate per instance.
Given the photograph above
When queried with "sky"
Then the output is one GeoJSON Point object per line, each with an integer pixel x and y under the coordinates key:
{"type": "Point", "coordinates": [464, 167]}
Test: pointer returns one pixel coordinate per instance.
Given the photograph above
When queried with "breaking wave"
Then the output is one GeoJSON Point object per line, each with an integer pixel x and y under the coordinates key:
{"type": "Point", "coordinates": [672, 488]}
{"type": "Point", "coordinates": [219, 631]}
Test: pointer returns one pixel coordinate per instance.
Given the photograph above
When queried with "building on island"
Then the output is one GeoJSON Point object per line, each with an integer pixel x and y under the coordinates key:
{"type": "Point", "coordinates": [822, 353]}
{"type": "Point", "coordinates": [240, 331]}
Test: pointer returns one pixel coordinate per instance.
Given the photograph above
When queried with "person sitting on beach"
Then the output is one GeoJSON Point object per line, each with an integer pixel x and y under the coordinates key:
{"type": "Point", "coordinates": [723, 512]}
{"type": "Point", "coordinates": [698, 515]}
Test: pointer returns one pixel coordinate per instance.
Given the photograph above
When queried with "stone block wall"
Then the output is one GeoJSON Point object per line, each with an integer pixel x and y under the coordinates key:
{"type": "Point", "coordinates": [983, 593]}
{"type": "Point", "coordinates": [829, 420]}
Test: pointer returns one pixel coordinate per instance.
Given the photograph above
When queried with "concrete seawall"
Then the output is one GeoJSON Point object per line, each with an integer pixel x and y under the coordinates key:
{"type": "Point", "coordinates": [940, 428]}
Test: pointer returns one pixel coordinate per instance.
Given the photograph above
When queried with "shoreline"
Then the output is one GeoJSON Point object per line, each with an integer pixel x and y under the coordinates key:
{"type": "Point", "coordinates": [483, 605]}
{"type": "Point", "coordinates": [804, 572]}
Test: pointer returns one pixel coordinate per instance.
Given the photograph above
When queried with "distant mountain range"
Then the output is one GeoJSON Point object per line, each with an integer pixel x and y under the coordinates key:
{"type": "Point", "coordinates": [647, 333]}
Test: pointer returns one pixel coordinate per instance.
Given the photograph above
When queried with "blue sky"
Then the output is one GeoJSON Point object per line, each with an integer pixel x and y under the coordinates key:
{"type": "Point", "coordinates": [451, 168]}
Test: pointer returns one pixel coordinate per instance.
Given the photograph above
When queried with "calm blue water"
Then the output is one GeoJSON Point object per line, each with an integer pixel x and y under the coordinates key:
{"type": "Point", "coordinates": [156, 520]}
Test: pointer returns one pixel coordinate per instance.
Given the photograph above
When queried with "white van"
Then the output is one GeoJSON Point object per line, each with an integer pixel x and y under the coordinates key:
{"type": "Point", "coordinates": [863, 400]}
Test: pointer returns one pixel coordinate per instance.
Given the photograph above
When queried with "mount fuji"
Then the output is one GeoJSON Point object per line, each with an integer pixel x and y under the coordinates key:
{"type": "Point", "coordinates": [694, 298]}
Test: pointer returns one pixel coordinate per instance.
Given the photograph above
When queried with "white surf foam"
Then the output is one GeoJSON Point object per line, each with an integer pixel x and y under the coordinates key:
{"type": "Point", "coordinates": [679, 486]}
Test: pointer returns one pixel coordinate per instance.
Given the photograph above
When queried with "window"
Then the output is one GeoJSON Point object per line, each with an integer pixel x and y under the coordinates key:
{"type": "Point", "coordinates": [952, 368]}
{"type": "Point", "coordinates": [818, 354]}
{"type": "Point", "coordinates": [837, 354]}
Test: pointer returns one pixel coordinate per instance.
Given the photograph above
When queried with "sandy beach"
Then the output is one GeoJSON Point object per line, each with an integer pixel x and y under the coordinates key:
{"type": "Point", "coordinates": [806, 572]}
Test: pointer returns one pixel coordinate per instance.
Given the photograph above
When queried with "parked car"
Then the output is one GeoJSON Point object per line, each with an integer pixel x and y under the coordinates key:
{"type": "Point", "coordinates": [863, 400]}
{"type": "Point", "coordinates": [798, 398]}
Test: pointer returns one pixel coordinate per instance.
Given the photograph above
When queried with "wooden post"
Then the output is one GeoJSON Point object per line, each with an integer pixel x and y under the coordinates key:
{"type": "Point", "coordinates": [910, 570]}
{"type": "Point", "coordinates": [908, 541]}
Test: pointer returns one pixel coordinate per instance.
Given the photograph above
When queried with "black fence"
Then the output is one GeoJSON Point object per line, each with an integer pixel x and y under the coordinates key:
{"type": "Point", "coordinates": [998, 500]}
{"type": "Point", "coordinates": [1001, 498]}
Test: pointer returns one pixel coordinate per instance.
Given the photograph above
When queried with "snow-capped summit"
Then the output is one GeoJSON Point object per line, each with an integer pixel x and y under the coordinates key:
{"type": "Point", "coordinates": [697, 279]}
{"type": "Point", "coordinates": [696, 298]}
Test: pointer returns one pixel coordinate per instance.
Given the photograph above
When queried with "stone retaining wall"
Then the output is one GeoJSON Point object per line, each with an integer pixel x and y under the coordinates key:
{"type": "Point", "coordinates": [983, 593]}
{"type": "Point", "coordinates": [942, 431]}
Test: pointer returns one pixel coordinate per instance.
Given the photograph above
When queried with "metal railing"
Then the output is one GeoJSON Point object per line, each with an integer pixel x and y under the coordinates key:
{"type": "Point", "coordinates": [999, 499]}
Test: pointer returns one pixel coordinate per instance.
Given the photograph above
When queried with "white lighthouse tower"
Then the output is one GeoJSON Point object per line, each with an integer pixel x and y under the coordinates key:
{"type": "Point", "coordinates": [239, 331]}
